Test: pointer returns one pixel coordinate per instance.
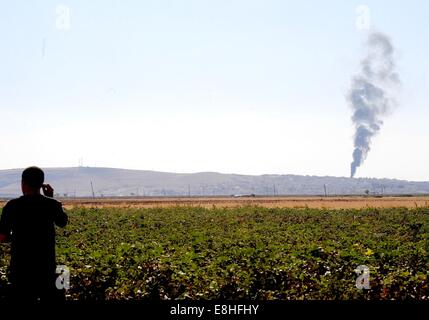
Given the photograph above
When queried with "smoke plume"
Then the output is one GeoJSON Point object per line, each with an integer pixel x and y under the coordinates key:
{"type": "Point", "coordinates": [372, 95]}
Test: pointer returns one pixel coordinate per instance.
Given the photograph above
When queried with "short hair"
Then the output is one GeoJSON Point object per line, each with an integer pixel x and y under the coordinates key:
{"type": "Point", "coordinates": [33, 177]}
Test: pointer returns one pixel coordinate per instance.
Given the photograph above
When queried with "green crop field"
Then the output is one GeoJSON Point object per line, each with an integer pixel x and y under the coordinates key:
{"type": "Point", "coordinates": [247, 252]}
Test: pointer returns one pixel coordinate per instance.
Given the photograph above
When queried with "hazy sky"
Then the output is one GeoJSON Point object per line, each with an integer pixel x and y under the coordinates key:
{"type": "Point", "coordinates": [232, 86]}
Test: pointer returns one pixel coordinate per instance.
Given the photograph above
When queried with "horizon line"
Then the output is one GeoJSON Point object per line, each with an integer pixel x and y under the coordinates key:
{"type": "Point", "coordinates": [222, 173]}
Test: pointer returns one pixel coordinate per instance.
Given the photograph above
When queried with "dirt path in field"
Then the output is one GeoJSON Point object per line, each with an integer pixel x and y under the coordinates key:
{"type": "Point", "coordinates": [274, 202]}
{"type": "Point", "coordinates": [270, 202]}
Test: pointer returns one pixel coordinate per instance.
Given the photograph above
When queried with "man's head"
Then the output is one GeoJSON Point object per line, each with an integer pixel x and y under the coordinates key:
{"type": "Point", "coordinates": [32, 180]}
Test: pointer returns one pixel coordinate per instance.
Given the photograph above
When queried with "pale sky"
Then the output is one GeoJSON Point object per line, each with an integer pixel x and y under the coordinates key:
{"type": "Point", "coordinates": [236, 86]}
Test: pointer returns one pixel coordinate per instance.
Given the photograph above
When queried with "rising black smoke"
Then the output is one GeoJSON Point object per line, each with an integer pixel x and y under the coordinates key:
{"type": "Point", "coordinates": [372, 94]}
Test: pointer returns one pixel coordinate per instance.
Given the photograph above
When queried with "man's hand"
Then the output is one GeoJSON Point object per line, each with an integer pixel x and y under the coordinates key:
{"type": "Point", "coordinates": [48, 191]}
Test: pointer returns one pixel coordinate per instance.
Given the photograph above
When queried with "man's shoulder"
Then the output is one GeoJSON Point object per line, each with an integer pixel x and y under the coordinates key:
{"type": "Point", "coordinates": [12, 205]}
{"type": "Point", "coordinates": [13, 202]}
{"type": "Point", "coordinates": [41, 198]}
{"type": "Point", "coordinates": [24, 201]}
{"type": "Point", "coordinates": [51, 201]}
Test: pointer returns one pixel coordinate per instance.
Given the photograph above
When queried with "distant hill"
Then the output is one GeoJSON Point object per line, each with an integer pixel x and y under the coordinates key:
{"type": "Point", "coordinates": [121, 182]}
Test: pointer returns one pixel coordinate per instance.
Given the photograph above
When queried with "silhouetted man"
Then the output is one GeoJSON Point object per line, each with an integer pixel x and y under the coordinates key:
{"type": "Point", "coordinates": [29, 223]}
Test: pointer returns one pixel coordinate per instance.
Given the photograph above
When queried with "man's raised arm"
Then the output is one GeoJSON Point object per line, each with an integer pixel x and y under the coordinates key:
{"type": "Point", "coordinates": [60, 217]}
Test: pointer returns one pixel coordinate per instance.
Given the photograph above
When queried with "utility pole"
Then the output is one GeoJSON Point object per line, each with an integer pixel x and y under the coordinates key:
{"type": "Point", "coordinates": [326, 193]}
{"type": "Point", "coordinates": [92, 189]}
